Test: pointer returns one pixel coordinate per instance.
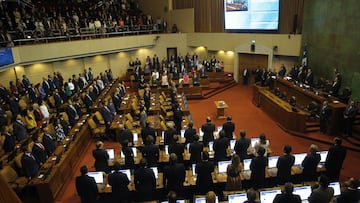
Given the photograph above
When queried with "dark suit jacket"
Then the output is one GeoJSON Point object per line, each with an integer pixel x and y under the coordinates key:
{"type": "Point", "coordinates": [204, 182]}
{"type": "Point", "coordinates": [169, 136]}
{"type": "Point", "coordinates": [145, 183]}
{"type": "Point", "coordinates": [220, 149]}
{"type": "Point", "coordinates": [107, 115]}
{"type": "Point", "coordinates": [190, 135]}
{"type": "Point", "coordinates": [257, 167]}
{"type": "Point", "coordinates": [310, 166]}
{"type": "Point", "coordinates": [195, 150]}
{"type": "Point", "coordinates": [119, 186]}
{"type": "Point", "coordinates": [58, 100]}
{"type": "Point", "coordinates": [88, 100]}
{"type": "Point", "coordinates": [71, 115]}
{"type": "Point", "coordinates": [178, 149]}
{"type": "Point", "coordinates": [126, 134]}
{"type": "Point", "coordinates": [39, 154]}
{"type": "Point", "coordinates": [19, 130]}
{"type": "Point", "coordinates": [334, 160]}
{"type": "Point", "coordinates": [29, 165]}
{"type": "Point", "coordinates": [9, 143]}
{"type": "Point", "coordinates": [49, 144]}
{"type": "Point", "coordinates": [287, 198]}
{"type": "Point", "coordinates": [147, 131]}
{"type": "Point", "coordinates": [129, 157]}
{"type": "Point", "coordinates": [229, 128]}
{"type": "Point", "coordinates": [151, 153]}
{"type": "Point", "coordinates": [174, 177]}
{"type": "Point", "coordinates": [208, 130]}
{"type": "Point", "coordinates": [349, 196]}
{"type": "Point", "coordinates": [86, 188]}
{"type": "Point", "coordinates": [117, 102]}
{"type": "Point", "coordinates": [284, 165]}
{"type": "Point", "coordinates": [241, 147]}
{"type": "Point", "coordinates": [101, 160]}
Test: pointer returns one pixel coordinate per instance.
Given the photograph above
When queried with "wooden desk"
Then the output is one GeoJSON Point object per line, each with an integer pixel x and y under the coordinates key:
{"type": "Point", "coordinates": [221, 106]}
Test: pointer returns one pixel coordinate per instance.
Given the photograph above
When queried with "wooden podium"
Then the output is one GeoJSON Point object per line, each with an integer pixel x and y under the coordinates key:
{"type": "Point", "coordinates": [220, 106]}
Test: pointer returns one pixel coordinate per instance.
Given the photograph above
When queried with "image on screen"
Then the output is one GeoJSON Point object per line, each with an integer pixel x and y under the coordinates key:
{"type": "Point", "coordinates": [304, 192]}
{"type": "Point", "coordinates": [254, 141]}
{"type": "Point", "coordinates": [127, 172]}
{"type": "Point", "coordinates": [323, 155]}
{"type": "Point", "coordinates": [235, 198]}
{"type": "Point", "coordinates": [247, 163]}
{"type": "Point", "coordinates": [155, 170]}
{"type": "Point", "coordinates": [268, 196]}
{"type": "Point", "coordinates": [222, 166]}
{"type": "Point", "coordinates": [336, 187]}
{"type": "Point", "coordinates": [97, 175]}
{"type": "Point", "coordinates": [299, 158]}
{"type": "Point", "coordinates": [111, 153]}
{"type": "Point", "coordinates": [251, 14]}
{"type": "Point", "coordinates": [6, 56]}
{"type": "Point", "coordinates": [232, 144]}
{"type": "Point", "coordinates": [272, 161]}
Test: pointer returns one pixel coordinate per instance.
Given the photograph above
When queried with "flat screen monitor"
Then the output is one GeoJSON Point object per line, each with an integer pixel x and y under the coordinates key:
{"type": "Point", "coordinates": [232, 144]}
{"type": "Point", "coordinates": [193, 168]}
{"type": "Point", "coordinates": [97, 175]}
{"type": "Point", "coordinates": [134, 151]}
{"type": "Point", "coordinates": [155, 170]}
{"type": "Point", "coordinates": [203, 200]}
{"type": "Point", "coordinates": [136, 137]}
{"type": "Point", "coordinates": [166, 147]}
{"type": "Point", "coordinates": [323, 155]}
{"type": "Point", "coordinates": [219, 128]}
{"type": "Point", "coordinates": [6, 56]}
{"type": "Point", "coordinates": [268, 195]}
{"type": "Point", "coordinates": [177, 201]}
{"type": "Point", "coordinates": [222, 166]}
{"type": "Point", "coordinates": [236, 198]}
{"type": "Point", "coordinates": [201, 133]}
{"type": "Point", "coordinates": [254, 140]}
{"type": "Point", "coordinates": [247, 163]}
{"type": "Point", "coordinates": [182, 133]}
{"type": "Point", "coordinates": [162, 135]}
{"type": "Point", "coordinates": [211, 146]}
{"type": "Point", "coordinates": [251, 15]}
{"type": "Point", "coordinates": [272, 161]}
{"type": "Point", "coordinates": [299, 158]}
{"type": "Point", "coordinates": [304, 192]}
{"type": "Point", "coordinates": [127, 172]}
{"type": "Point", "coordinates": [336, 187]}
{"type": "Point", "coordinates": [111, 153]}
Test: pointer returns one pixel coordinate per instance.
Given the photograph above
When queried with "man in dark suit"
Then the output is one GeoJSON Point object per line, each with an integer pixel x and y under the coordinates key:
{"type": "Point", "coordinates": [229, 127]}
{"type": "Point", "coordinates": [324, 117]}
{"type": "Point", "coordinates": [125, 134]}
{"type": "Point", "coordinates": [190, 133]}
{"type": "Point", "coordinates": [101, 158]}
{"type": "Point", "coordinates": [106, 113]}
{"type": "Point", "coordinates": [349, 117]}
{"type": "Point", "coordinates": [48, 141]}
{"type": "Point", "coordinates": [310, 164]}
{"type": "Point", "coordinates": [220, 147]}
{"type": "Point", "coordinates": [116, 100]}
{"type": "Point", "coordinates": [150, 151]}
{"type": "Point", "coordinates": [119, 184]}
{"type": "Point", "coordinates": [204, 182]}
{"type": "Point", "coordinates": [257, 167]}
{"type": "Point", "coordinates": [57, 98]}
{"type": "Point", "coordinates": [174, 175]}
{"type": "Point", "coordinates": [86, 186]}
{"type": "Point", "coordinates": [169, 134]}
{"type": "Point", "coordinates": [177, 117]}
{"type": "Point", "coordinates": [10, 139]}
{"type": "Point", "coordinates": [72, 113]}
{"type": "Point", "coordinates": [88, 100]}
{"type": "Point", "coordinates": [26, 82]}
{"type": "Point", "coordinates": [287, 195]}
{"type": "Point", "coordinates": [39, 151]}
{"type": "Point", "coordinates": [242, 145]}
{"type": "Point", "coordinates": [334, 160]}
{"type": "Point", "coordinates": [195, 150]}
{"type": "Point", "coordinates": [309, 79]}
{"type": "Point", "coordinates": [208, 129]}
{"type": "Point", "coordinates": [19, 128]}
{"type": "Point", "coordinates": [29, 164]}
{"type": "Point", "coordinates": [284, 164]}
{"type": "Point", "coordinates": [145, 182]}
{"type": "Point", "coordinates": [146, 131]}
{"type": "Point", "coordinates": [147, 97]}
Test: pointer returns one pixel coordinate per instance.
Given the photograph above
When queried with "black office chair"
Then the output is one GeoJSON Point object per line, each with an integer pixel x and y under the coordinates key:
{"type": "Point", "coordinates": [313, 109]}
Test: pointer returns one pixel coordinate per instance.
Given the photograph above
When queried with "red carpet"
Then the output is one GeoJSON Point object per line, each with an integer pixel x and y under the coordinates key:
{"type": "Point", "coordinates": [246, 116]}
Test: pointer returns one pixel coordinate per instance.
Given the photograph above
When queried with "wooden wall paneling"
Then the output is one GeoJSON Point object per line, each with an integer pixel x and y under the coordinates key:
{"type": "Point", "coordinates": [217, 15]}
{"type": "Point", "coordinates": [182, 4]}
{"type": "Point", "coordinates": [251, 62]}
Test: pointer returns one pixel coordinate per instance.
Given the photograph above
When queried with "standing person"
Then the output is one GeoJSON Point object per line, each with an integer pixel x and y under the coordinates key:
{"type": "Point", "coordinates": [86, 186]}
{"type": "Point", "coordinates": [146, 131]}
{"type": "Point", "coordinates": [349, 117]}
{"type": "Point", "coordinates": [177, 117]}
{"type": "Point", "coordinates": [150, 151]}
{"type": "Point", "coordinates": [119, 184]}
{"type": "Point", "coordinates": [208, 129]}
{"type": "Point", "coordinates": [251, 196]}
{"type": "Point", "coordinates": [351, 194]}
{"type": "Point", "coordinates": [287, 195]}
{"type": "Point", "coordinates": [323, 193]}
{"type": "Point", "coordinates": [334, 160]}
{"type": "Point", "coordinates": [174, 175]}
{"type": "Point", "coordinates": [195, 150]}
{"type": "Point", "coordinates": [101, 157]}
{"type": "Point", "coordinates": [129, 154]}
{"type": "Point", "coordinates": [310, 164]}
{"type": "Point", "coordinates": [233, 182]}
{"type": "Point", "coordinates": [143, 116]}
{"type": "Point", "coordinates": [263, 142]}
{"type": "Point", "coordinates": [257, 167]}
{"type": "Point", "coordinates": [284, 165]}
{"type": "Point", "coordinates": [204, 170]}
{"type": "Point", "coordinates": [29, 164]}
{"type": "Point", "coordinates": [220, 147]}
{"type": "Point", "coordinates": [229, 127]}
{"type": "Point", "coordinates": [190, 133]}
{"type": "Point", "coordinates": [145, 182]}
{"type": "Point", "coordinates": [177, 148]}
{"type": "Point", "coordinates": [242, 145]}
{"type": "Point", "coordinates": [324, 117]}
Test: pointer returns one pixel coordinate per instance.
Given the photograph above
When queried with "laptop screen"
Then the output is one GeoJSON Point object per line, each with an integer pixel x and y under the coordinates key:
{"type": "Point", "coordinates": [247, 163]}
{"type": "Point", "coordinates": [232, 144]}
{"type": "Point", "coordinates": [177, 201]}
{"type": "Point", "coordinates": [201, 133]}
{"type": "Point", "coordinates": [166, 149]}
{"type": "Point", "coordinates": [254, 140]}
{"type": "Point", "coordinates": [272, 161]}
{"type": "Point", "coordinates": [111, 153]}
{"type": "Point", "coordinates": [136, 137]}
{"type": "Point", "coordinates": [299, 158]}
{"type": "Point", "coordinates": [203, 200]}
{"type": "Point", "coordinates": [219, 128]}
{"type": "Point", "coordinates": [268, 196]}
{"type": "Point", "coordinates": [336, 187]}
{"type": "Point", "coordinates": [222, 166]}
{"type": "Point", "coordinates": [236, 198]}
{"type": "Point", "coordinates": [155, 170]}
{"type": "Point", "coordinates": [127, 172]}
{"type": "Point", "coordinates": [182, 133]}
{"type": "Point", "coordinates": [211, 146]}
{"type": "Point", "coordinates": [323, 155]}
{"type": "Point", "coordinates": [304, 192]}
{"type": "Point", "coordinates": [97, 175]}
{"type": "Point", "coordinates": [134, 151]}
{"type": "Point", "coordinates": [193, 168]}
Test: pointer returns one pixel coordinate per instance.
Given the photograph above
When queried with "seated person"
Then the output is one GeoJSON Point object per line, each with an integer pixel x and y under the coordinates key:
{"type": "Point", "coordinates": [185, 79]}
{"type": "Point", "coordinates": [164, 80]}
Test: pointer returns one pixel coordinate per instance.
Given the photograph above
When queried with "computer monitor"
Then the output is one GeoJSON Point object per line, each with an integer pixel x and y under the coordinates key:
{"type": "Point", "coordinates": [163, 135]}
{"type": "Point", "coordinates": [98, 176]}
{"type": "Point", "coordinates": [232, 144]}
{"type": "Point", "coordinates": [299, 158]}
{"type": "Point", "coordinates": [268, 195]}
{"type": "Point", "coordinates": [166, 147]}
{"type": "Point", "coordinates": [222, 166]}
{"type": "Point", "coordinates": [193, 168]}
{"type": "Point", "coordinates": [182, 133]}
{"type": "Point", "coordinates": [272, 161]}
{"type": "Point", "coordinates": [134, 151]}
{"type": "Point", "coordinates": [323, 155]}
{"type": "Point", "coordinates": [155, 170]}
{"type": "Point", "coordinates": [247, 163]}
{"type": "Point", "coordinates": [201, 133]}
{"type": "Point", "coordinates": [236, 198]}
{"type": "Point", "coordinates": [127, 172]}
{"type": "Point", "coordinates": [203, 200]}
{"type": "Point", "coordinates": [177, 201]}
{"type": "Point", "coordinates": [254, 140]}
{"type": "Point", "coordinates": [111, 153]}
{"type": "Point", "coordinates": [219, 128]}
{"type": "Point", "coordinates": [304, 192]}
{"type": "Point", "coordinates": [211, 146]}
{"type": "Point", "coordinates": [336, 187]}
{"type": "Point", "coordinates": [136, 137]}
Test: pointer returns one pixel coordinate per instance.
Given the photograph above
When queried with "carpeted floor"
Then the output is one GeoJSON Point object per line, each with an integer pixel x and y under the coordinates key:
{"type": "Point", "coordinates": [246, 116]}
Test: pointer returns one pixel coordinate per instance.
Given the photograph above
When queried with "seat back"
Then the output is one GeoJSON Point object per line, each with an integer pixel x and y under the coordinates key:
{"type": "Point", "coordinates": [100, 118]}
{"type": "Point", "coordinates": [9, 174]}
{"type": "Point", "coordinates": [91, 123]}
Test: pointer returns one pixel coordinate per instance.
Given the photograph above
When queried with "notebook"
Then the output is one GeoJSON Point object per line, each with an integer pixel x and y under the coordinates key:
{"type": "Point", "coordinates": [222, 166]}
{"type": "Point", "coordinates": [127, 172]}
{"type": "Point", "coordinates": [98, 176]}
{"type": "Point", "coordinates": [299, 158]}
{"type": "Point", "coordinates": [111, 153]}
{"type": "Point", "coordinates": [203, 200]}
{"type": "Point", "coordinates": [247, 163]}
{"type": "Point", "coordinates": [254, 140]}
{"type": "Point", "coordinates": [136, 137]}
{"type": "Point", "coordinates": [304, 192]}
{"type": "Point", "coordinates": [323, 155]}
{"type": "Point", "coordinates": [232, 144]}
{"type": "Point", "coordinates": [268, 196]}
{"type": "Point", "coordinates": [182, 133]}
{"type": "Point", "coordinates": [211, 146]}
{"type": "Point", "coordinates": [237, 198]}
{"type": "Point", "coordinates": [336, 187]}
{"type": "Point", "coordinates": [272, 161]}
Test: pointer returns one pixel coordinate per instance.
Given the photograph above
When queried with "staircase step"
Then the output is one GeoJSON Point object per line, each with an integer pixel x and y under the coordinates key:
{"type": "Point", "coordinates": [312, 129]}
{"type": "Point", "coordinates": [312, 124]}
